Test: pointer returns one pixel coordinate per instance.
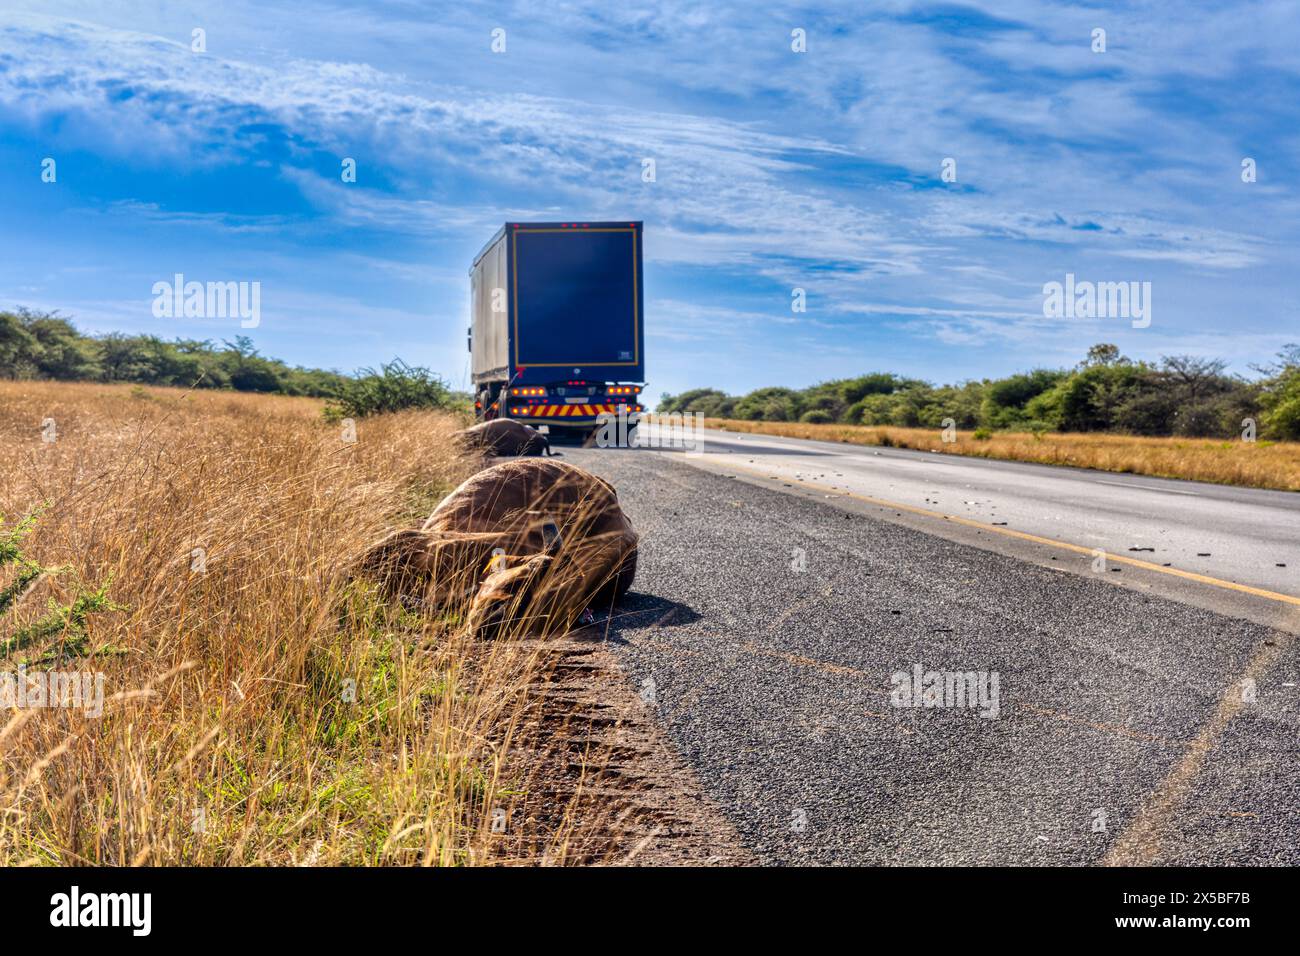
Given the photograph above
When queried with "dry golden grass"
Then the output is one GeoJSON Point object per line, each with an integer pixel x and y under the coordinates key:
{"type": "Point", "coordinates": [226, 736]}
{"type": "Point", "coordinates": [1253, 464]}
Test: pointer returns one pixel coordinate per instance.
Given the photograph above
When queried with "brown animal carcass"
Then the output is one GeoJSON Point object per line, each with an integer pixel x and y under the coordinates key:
{"type": "Point", "coordinates": [505, 437]}
{"type": "Point", "coordinates": [524, 546]}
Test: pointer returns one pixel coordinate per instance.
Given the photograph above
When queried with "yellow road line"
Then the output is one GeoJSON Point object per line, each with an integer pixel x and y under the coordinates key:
{"type": "Point", "coordinates": [1139, 844]}
{"type": "Point", "coordinates": [1039, 539]}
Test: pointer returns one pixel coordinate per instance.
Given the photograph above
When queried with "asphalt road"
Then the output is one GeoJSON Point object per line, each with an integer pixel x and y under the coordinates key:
{"type": "Point", "coordinates": [768, 620]}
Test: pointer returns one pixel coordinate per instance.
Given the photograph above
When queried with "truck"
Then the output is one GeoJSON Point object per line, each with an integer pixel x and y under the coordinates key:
{"type": "Point", "coordinates": [558, 319]}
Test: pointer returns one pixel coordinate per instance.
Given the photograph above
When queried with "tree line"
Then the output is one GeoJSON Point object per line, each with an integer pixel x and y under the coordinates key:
{"type": "Point", "coordinates": [44, 345]}
{"type": "Point", "coordinates": [1179, 395]}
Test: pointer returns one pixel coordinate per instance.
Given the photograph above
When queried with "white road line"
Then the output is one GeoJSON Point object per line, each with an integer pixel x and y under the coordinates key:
{"type": "Point", "coordinates": [1126, 484]}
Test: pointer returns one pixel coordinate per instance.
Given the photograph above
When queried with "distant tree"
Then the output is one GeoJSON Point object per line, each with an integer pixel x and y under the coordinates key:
{"type": "Point", "coordinates": [1280, 395]}
{"type": "Point", "coordinates": [18, 347]}
{"type": "Point", "coordinates": [1005, 400]}
{"type": "Point", "coordinates": [1192, 376]}
{"type": "Point", "coordinates": [1148, 410]}
{"type": "Point", "coordinates": [1087, 400]}
{"type": "Point", "coordinates": [1208, 402]}
{"type": "Point", "coordinates": [877, 383]}
{"type": "Point", "coordinates": [817, 416]}
{"type": "Point", "coordinates": [908, 405]}
{"type": "Point", "coordinates": [61, 353]}
{"type": "Point", "coordinates": [871, 410]}
{"type": "Point", "coordinates": [1103, 353]}
{"type": "Point", "coordinates": [707, 401]}
{"type": "Point", "coordinates": [825, 399]}
{"type": "Point", "coordinates": [771, 404]}
{"type": "Point", "coordinates": [248, 371]}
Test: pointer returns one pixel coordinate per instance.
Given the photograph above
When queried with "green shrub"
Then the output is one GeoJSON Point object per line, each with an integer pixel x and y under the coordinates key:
{"type": "Point", "coordinates": [1004, 400]}
{"type": "Point", "coordinates": [394, 387]}
{"type": "Point", "coordinates": [709, 401]}
{"type": "Point", "coordinates": [771, 404]}
{"type": "Point", "coordinates": [66, 622]}
{"type": "Point", "coordinates": [817, 416]}
{"type": "Point", "coordinates": [1280, 398]}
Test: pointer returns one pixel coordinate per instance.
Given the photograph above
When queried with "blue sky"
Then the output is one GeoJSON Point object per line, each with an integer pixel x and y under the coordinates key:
{"type": "Point", "coordinates": [774, 170]}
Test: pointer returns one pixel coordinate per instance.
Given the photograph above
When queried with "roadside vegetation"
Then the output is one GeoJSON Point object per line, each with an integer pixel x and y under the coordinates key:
{"type": "Point", "coordinates": [392, 388]}
{"type": "Point", "coordinates": [43, 345]}
{"type": "Point", "coordinates": [40, 346]}
{"type": "Point", "coordinates": [1180, 396]}
{"type": "Point", "coordinates": [260, 704]}
{"type": "Point", "coordinates": [1179, 418]}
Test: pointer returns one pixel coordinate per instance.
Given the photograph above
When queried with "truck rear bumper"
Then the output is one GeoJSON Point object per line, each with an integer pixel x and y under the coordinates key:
{"type": "Point", "coordinates": [572, 422]}
{"type": "Point", "coordinates": [569, 411]}
{"type": "Point", "coordinates": [569, 414]}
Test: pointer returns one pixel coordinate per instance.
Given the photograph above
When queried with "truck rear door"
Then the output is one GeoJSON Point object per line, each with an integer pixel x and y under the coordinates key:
{"type": "Point", "coordinates": [577, 301]}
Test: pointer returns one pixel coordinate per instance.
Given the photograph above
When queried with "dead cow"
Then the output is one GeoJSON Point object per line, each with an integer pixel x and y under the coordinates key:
{"type": "Point", "coordinates": [506, 437]}
{"type": "Point", "coordinates": [525, 546]}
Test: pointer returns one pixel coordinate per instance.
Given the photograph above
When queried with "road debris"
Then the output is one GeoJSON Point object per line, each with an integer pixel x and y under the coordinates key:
{"type": "Point", "coordinates": [505, 437]}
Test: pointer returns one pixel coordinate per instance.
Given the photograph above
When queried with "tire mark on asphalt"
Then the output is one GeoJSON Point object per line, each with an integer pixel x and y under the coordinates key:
{"type": "Point", "coordinates": [1105, 728]}
{"type": "Point", "coordinates": [1140, 843]}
